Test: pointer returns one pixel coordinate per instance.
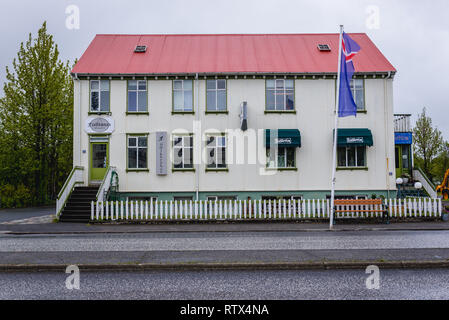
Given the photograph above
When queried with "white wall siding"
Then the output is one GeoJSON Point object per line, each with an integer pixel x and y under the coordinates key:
{"type": "Point", "coordinates": [314, 103]}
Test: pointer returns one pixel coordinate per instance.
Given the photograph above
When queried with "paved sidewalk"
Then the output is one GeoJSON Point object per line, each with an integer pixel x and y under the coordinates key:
{"type": "Point", "coordinates": [71, 228]}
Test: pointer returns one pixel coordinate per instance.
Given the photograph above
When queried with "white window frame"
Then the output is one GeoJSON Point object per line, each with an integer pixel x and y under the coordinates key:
{"type": "Point", "coordinates": [355, 160]}
{"type": "Point", "coordinates": [215, 148]}
{"type": "Point", "coordinates": [276, 158]}
{"type": "Point", "coordinates": [99, 90]}
{"type": "Point", "coordinates": [354, 93]}
{"type": "Point", "coordinates": [183, 146]}
{"type": "Point", "coordinates": [283, 94]}
{"type": "Point", "coordinates": [137, 147]}
{"type": "Point", "coordinates": [182, 91]}
{"type": "Point", "coordinates": [216, 90]}
{"type": "Point", "coordinates": [137, 90]}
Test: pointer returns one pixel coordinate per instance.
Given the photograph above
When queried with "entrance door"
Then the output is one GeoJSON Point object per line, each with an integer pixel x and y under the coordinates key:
{"type": "Point", "coordinates": [398, 160]}
{"type": "Point", "coordinates": [99, 160]}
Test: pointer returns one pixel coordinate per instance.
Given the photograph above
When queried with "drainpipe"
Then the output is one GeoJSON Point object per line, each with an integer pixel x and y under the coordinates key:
{"type": "Point", "coordinates": [75, 78]}
{"type": "Point", "coordinates": [197, 117]}
{"type": "Point", "coordinates": [387, 125]}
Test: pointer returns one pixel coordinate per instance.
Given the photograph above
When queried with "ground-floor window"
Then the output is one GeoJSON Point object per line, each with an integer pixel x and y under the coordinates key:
{"type": "Point", "coordinates": [281, 158]}
{"type": "Point", "coordinates": [282, 197]}
{"type": "Point", "coordinates": [351, 156]}
{"type": "Point", "coordinates": [216, 151]}
{"type": "Point", "coordinates": [221, 198]}
{"type": "Point", "coordinates": [183, 152]}
{"type": "Point", "coordinates": [348, 197]}
{"type": "Point", "coordinates": [141, 198]}
{"type": "Point", "coordinates": [183, 198]}
{"type": "Point", "coordinates": [137, 152]}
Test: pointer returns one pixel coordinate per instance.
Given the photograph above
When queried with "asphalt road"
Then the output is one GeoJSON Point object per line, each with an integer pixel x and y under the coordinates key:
{"type": "Point", "coordinates": [335, 284]}
{"type": "Point", "coordinates": [224, 247]}
{"type": "Point", "coordinates": [7, 215]}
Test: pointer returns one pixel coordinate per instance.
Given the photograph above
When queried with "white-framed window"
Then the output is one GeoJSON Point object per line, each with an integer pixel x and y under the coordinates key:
{"type": "Point", "coordinates": [281, 158]}
{"type": "Point", "coordinates": [137, 96]}
{"type": "Point", "coordinates": [216, 95]}
{"type": "Point", "coordinates": [142, 198]}
{"type": "Point", "coordinates": [283, 197]}
{"type": "Point", "coordinates": [358, 92]}
{"type": "Point", "coordinates": [280, 95]}
{"type": "Point", "coordinates": [182, 152]}
{"type": "Point", "coordinates": [182, 95]}
{"type": "Point", "coordinates": [221, 198]}
{"type": "Point", "coordinates": [99, 96]}
{"type": "Point", "coordinates": [351, 156]}
{"type": "Point", "coordinates": [348, 197]}
{"type": "Point", "coordinates": [216, 151]}
{"type": "Point", "coordinates": [183, 198]}
{"type": "Point", "coordinates": [138, 152]}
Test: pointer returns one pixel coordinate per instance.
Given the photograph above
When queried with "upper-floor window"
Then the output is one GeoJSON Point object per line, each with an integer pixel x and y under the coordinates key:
{"type": "Point", "coordinates": [99, 96]}
{"type": "Point", "coordinates": [280, 95]}
{"type": "Point", "coordinates": [216, 151]}
{"type": "Point", "coordinates": [358, 92]}
{"type": "Point", "coordinates": [183, 152]}
{"type": "Point", "coordinates": [216, 95]}
{"type": "Point", "coordinates": [137, 152]}
{"type": "Point", "coordinates": [137, 96]}
{"type": "Point", "coordinates": [351, 156]}
{"type": "Point", "coordinates": [182, 96]}
{"type": "Point", "coordinates": [281, 158]}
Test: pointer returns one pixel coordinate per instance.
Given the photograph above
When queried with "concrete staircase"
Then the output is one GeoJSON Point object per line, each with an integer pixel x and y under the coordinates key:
{"type": "Point", "coordinates": [78, 206]}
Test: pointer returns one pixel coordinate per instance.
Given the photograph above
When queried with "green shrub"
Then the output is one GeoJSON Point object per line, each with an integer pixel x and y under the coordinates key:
{"type": "Point", "coordinates": [15, 196]}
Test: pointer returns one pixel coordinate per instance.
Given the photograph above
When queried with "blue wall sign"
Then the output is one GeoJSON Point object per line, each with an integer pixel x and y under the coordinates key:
{"type": "Point", "coordinates": [403, 138]}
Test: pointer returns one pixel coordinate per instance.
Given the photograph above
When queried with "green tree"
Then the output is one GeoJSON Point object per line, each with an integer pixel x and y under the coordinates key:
{"type": "Point", "coordinates": [427, 143]}
{"type": "Point", "coordinates": [36, 119]}
{"type": "Point", "coordinates": [441, 163]}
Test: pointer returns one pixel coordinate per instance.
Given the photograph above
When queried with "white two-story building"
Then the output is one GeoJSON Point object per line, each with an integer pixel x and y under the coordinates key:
{"type": "Point", "coordinates": [231, 117]}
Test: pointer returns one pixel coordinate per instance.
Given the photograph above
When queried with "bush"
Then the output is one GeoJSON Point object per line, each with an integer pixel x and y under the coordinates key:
{"type": "Point", "coordinates": [15, 196]}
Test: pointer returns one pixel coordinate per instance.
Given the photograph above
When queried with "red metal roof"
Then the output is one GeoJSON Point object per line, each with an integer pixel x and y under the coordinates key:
{"type": "Point", "coordinates": [224, 53]}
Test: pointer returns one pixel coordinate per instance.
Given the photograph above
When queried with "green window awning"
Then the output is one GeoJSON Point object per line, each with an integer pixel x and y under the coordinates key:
{"type": "Point", "coordinates": [354, 137]}
{"type": "Point", "coordinates": [285, 138]}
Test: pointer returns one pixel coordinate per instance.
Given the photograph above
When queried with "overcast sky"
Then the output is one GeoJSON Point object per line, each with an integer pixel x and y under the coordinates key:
{"type": "Point", "coordinates": [412, 34]}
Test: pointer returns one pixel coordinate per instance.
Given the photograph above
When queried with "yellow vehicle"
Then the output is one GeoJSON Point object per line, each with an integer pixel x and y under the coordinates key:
{"type": "Point", "coordinates": [444, 186]}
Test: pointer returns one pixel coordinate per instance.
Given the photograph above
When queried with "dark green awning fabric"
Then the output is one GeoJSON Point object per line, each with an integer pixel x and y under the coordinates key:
{"type": "Point", "coordinates": [285, 138]}
{"type": "Point", "coordinates": [354, 137]}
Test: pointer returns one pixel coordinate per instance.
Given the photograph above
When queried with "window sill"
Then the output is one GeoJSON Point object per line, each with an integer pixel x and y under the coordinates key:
{"type": "Point", "coordinates": [182, 170]}
{"type": "Point", "coordinates": [280, 111]}
{"type": "Point", "coordinates": [100, 112]}
{"type": "Point", "coordinates": [217, 169]}
{"type": "Point", "coordinates": [137, 113]}
{"type": "Point", "coordinates": [361, 111]}
{"type": "Point", "coordinates": [182, 112]}
{"type": "Point", "coordinates": [282, 169]}
{"type": "Point", "coordinates": [352, 168]}
{"type": "Point", "coordinates": [137, 170]}
{"type": "Point", "coordinates": [217, 112]}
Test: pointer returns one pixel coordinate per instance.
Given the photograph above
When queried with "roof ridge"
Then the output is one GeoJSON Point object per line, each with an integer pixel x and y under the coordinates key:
{"type": "Point", "coordinates": [220, 34]}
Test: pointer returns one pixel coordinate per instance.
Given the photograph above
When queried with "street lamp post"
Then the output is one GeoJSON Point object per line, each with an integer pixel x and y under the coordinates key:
{"type": "Point", "coordinates": [418, 186]}
{"type": "Point", "coordinates": [400, 183]}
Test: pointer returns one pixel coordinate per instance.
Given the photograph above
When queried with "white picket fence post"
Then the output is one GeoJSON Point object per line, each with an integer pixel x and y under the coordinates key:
{"type": "Point", "coordinates": [258, 209]}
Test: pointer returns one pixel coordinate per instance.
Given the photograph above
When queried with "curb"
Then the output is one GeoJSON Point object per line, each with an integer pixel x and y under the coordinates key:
{"type": "Point", "coordinates": [216, 231]}
{"type": "Point", "coordinates": [330, 265]}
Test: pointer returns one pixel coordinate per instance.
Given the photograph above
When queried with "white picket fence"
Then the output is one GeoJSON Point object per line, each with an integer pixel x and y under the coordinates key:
{"type": "Point", "coordinates": [253, 210]}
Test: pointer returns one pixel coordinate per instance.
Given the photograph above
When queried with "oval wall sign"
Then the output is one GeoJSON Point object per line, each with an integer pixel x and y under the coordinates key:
{"type": "Point", "coordinates": [99, 124]}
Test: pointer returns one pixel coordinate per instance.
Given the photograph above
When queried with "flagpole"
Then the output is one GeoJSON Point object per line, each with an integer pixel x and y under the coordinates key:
{"type": "Point", "coordinates": [334, 155]}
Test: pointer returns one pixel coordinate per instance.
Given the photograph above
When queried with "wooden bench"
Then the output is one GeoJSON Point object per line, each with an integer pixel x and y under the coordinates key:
{"type": "Point", "coordinates": [361, 206]}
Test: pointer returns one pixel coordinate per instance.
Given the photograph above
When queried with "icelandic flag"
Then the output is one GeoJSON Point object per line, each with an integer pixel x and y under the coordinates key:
{"type": "Point", "coordinates": [349, 48]}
